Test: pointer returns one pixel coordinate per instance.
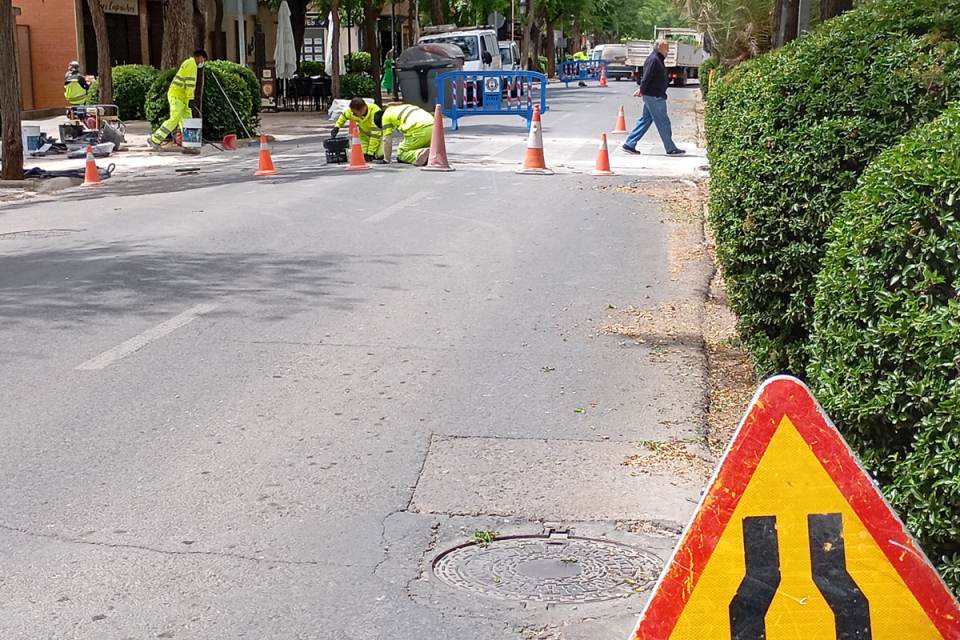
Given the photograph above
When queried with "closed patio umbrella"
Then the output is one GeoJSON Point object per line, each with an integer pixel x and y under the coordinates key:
{"type": "Point", "coordinates": [285, 54]}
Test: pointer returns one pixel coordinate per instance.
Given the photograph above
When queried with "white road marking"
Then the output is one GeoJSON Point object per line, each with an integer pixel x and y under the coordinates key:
{"type": "Point", "coordinates": [385, 213]}
{"type": "Point", "coordinates": [138, 342]}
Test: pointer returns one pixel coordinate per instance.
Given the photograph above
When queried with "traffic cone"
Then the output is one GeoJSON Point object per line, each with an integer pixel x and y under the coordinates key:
{"type": "Point", "coordinates": [621, 126]}
{"type": "Point", "coordinates": [602, 167]}
{"type": "Point", "coordinates": [91, 176]}
{"type": "Point", "coordinates": [357, 161]}
{"type": "Point", "coordinates": [438, 146]}
{"type": "Point", "coordinates": [266, 162]}
{"type": "Point", "coordinates": [534, 162]}
{"type": "Point", "coordinates": [603, 75]}
{"type": "Point", "coordinates": [230, 142]}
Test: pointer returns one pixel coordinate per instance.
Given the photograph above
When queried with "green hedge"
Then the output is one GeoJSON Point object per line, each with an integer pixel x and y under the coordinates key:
{"type": "Point", "coordinates": [130, 85]}
{"type": "Point", "coordinates": [358, 62]}
{"type": "Point", "coordinates": [791, 131]}
{"type": "Point", "coordinates": [249, 79]}
{"type": "Point", "coordinates": [312, 68]}
{"type": "Point", "coordinates": [711, 64]}
{"type": "Point", "coordinates": [218, 118]}
{"type": "Point", "coordinates": [355, 85]}
{"type": "Point", "coordinates": [886, 349]}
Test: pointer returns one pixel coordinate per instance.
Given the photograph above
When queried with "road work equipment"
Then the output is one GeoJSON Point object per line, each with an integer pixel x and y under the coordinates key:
{"type": "Point", "coordinates": [265, 167]}
{"type": "Point", "coordinates": [415, 124]}
{"type": "Point", "coordinates": [621, 126]}
{"type": "Point", "coordinates": [603, 75]}
{"type": "Point", "coordinates": [602, 168]}
{"type": "Point", "coordinates": [534, 161]}
{"type": "Point", "coordinates": [580, 70]}
{"type": "Point", "coordinates": [179, 95]}
{"type": "Point", "coordinates": [361, 113]}
{"type": "Point", "coordinates": [357, 161]}
{"type": "Point", "coordinates": [437, 160]}
{"type": "Point", "coordinates": [91, 177]}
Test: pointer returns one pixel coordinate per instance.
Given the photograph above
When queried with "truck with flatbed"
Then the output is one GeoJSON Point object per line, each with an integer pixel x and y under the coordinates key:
{"type": "Point", "coordinates": [682, 60]}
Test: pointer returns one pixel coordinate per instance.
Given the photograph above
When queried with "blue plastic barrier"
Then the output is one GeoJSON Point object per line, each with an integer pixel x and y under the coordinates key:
{"type": "Point", "coordinates": [580, 70]}
{"type": "Point", "coordinates": [491, 93]}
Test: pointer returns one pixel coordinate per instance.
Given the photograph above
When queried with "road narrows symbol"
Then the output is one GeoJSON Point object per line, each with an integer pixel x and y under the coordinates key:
{"type": "Point", "coordinates": [762, 558]}
{"type": "Point", "coordinates": [851, 611]}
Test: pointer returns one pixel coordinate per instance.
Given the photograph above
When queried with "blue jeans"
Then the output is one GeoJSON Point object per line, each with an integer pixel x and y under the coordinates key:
{"type": "Point", "coordinates": [654, 112]}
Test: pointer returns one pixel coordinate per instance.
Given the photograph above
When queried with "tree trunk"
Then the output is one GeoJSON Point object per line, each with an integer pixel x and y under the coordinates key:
{"type": "Point", "coordinates": [527, 46]}
{"type": "Point", "coordinates": [412, 25]}
{"type": "Point", "coordinates": [551, 50]}
{"type": "Point", "coordinates": [104, 63]}
{"type": "Point", "coordinates": [436, 11]}
{"type": "Point", "coordinates": [334, 69]}
{"type": "Point", "coordinates": [298, 21]}
{"type": "Point", "coordinates": [218, 40]}
{"type": "Point", "coordinates": [199, 25]}
{"type": "Point", "coordinates": [12, 168]}
{"type": "Point", "coordinates": [785, 21]}
{"type": "Point", "coordinates": [177, 32]}
{"type": "Point", "coordinates": [371, 13]}
{"type": "Point", "coordinates": [832, 8]}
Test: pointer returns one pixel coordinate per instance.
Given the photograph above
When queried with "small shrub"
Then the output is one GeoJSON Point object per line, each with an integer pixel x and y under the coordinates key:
{"type": "Point", "coordinates": [791, 131]}
{"type": "Point", "coordinates": [218, 117]}
{"type": "Point", "coordinates": [355, 85]}
{"type": "Point", "coordinates": [886, 348]}
{"type": "Point", "coordinates": [312, 68]}
{"type": "Point", "coordinates": [358, 62]}
{"type": "Point", "coordinates": [93, 93]}
{"type": "Point", "coordinates": [130, 85]}
{"type": "Point", "coordinates": [542, 64]}
{"type": "Point", "coordinates": [248, 77]}
{"type": "Point", "coordinates": [707, 67]}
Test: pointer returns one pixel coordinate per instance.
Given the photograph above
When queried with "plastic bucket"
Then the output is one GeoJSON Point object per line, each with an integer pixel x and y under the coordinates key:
{"type": "Point", "coordinates": [31, 137]}
{"type": "Point", "coordinates": [192, 133]}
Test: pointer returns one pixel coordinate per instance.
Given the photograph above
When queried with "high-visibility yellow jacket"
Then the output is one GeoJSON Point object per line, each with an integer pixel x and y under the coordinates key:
{"type": "Point", "coordinates": [404, 118]}
{"type": "Point", "coordinates": [184, 84]}
{"type": "Point", "coordinates": [369, 134]}
{"type": "Point", "coordinates": [75, 88]}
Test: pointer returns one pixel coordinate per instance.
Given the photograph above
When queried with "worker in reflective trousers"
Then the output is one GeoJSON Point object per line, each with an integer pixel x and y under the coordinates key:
{"type": "Point", "coordinates": [415, 124]}
{"type": "Point", "coordinates": [361, 113]}
{"type": "Point", "coordinates": [180, 97]}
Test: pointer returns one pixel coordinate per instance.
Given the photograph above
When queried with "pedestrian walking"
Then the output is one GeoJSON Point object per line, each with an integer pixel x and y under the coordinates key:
{"type": "Point", "coordinates": [180, 97]}
{"type": "Point", "coordinates": [653, 90]}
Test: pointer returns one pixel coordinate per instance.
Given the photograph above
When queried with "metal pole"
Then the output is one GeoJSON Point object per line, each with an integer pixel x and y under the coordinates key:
{"type": "Point", "coordinates": [393, 47]}
{"type": "Point", "coordinates": [242, 38]}
{"type": "Point", "coordinates": [513, 22]}
{"type": "Point", "coordinates": [227, 98]}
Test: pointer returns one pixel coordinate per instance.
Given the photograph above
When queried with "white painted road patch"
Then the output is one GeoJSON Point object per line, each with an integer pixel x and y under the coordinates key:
{"type": "Point", "coordinates": [139, 341]}
{"type": "Point", "coordinates": [386, 212]}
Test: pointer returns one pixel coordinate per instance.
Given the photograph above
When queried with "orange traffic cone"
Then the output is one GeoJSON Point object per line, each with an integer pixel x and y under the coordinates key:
{"type": "Point", "coordinates": [357, 162]}
{"type": "Point", "coordinates": [230, 142]}
{"type": "Point", "coordinates": [91, 176]}
{"type": "Point", "coordinates": [534, 161]}
{"type": "Point", "coordinates": [621, 126]}
{"type": "Point", "coordinates": [603, 75]}
{"type": "Point", "coordinates": [603, 159]}
{"type": "Point", "coordinates": [266, 162]}
{"type": "Point", "coordinates": [438, 146]}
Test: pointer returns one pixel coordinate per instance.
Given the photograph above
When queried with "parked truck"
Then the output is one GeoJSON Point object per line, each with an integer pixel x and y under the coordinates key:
{"type": "Point", "coordinates": [682, 60]}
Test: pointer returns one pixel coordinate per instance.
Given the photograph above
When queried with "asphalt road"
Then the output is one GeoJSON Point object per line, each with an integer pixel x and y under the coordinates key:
{"type": "Point", "coordinates": [236, 408]}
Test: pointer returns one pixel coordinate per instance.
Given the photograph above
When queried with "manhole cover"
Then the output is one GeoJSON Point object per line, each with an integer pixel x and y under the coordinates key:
{"type": "Point", "coordinates": [550, 569]}
{"type": "Point", "coordinates": [37, 234]}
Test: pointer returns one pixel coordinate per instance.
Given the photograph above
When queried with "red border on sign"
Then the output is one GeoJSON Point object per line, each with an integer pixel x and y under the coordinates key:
{"type": "Point", "coordinates": [777, 397]}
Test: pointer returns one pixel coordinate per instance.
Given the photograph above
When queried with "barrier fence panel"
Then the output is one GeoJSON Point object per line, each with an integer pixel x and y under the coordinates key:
{"type": "Point", "coordinates": [580, 70]}
{"type": "Point", "coordinates": [491, 93]}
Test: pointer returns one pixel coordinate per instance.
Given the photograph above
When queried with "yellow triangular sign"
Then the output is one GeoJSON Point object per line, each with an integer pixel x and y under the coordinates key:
{"type": "Point", "coordinates": [793, 541]}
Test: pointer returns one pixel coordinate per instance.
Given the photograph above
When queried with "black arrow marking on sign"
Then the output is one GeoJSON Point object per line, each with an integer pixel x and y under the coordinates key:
{"type": "Point", "coordinates": [851, 611]}
{"type": "Point", "coordinates": [755, 593]}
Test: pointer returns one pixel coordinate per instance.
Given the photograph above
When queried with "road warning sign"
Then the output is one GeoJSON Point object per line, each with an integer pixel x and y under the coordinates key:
{"type": "Point", "coordinates": [793, 541]}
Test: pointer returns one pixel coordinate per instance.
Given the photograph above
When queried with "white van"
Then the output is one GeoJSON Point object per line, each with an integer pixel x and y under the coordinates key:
{"type": "Point", "coordinates": [509, 55]}
{"type": "Point", "coordinates": [480, 49]}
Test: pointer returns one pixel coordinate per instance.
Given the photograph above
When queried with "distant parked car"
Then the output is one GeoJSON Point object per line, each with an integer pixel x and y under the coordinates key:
{"type": "Point", "coordinates": [509, 55]}
{"type": "Point", "coordinates": [616, 57]}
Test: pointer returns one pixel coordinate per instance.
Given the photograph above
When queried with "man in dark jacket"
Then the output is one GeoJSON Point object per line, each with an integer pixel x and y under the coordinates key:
{"type": "Point", "coordinates": [653, 90]}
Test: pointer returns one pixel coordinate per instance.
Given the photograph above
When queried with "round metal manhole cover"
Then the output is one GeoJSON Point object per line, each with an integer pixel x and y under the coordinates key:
{"type": "Point", "coordinates": [548, 569]}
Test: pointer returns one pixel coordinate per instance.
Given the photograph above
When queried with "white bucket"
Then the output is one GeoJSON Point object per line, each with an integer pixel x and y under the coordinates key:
{"type": "Point", "coordinates": [192, 129]}
{"type": "Point", "coordinates": [30, 134]}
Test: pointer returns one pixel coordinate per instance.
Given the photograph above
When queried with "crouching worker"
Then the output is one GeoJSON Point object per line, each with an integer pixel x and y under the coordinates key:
{"type": "Point", "coordinates": [415, 124]}
{"type": "Point", "coordinates": [361, 113]}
